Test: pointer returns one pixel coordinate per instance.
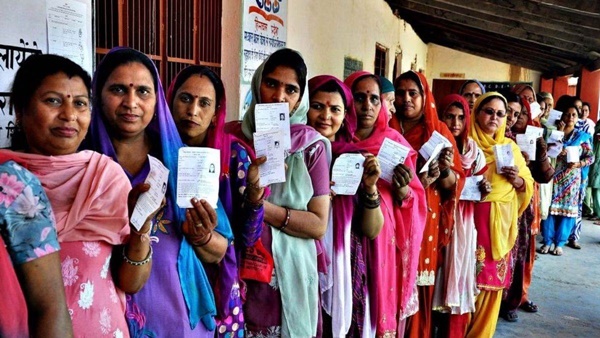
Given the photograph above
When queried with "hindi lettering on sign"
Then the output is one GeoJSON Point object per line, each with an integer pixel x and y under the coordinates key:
{"type": "Point", "coordinates": [11, 54]}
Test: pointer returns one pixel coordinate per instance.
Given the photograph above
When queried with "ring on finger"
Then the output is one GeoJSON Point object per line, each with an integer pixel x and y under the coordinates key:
{"type": "Point", "coordinates": [199, 225]}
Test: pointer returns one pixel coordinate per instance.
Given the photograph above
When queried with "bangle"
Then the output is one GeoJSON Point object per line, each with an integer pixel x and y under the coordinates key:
{"type": "Point", "coordinates": [137, 263]}
{"type": "Point", "coordinates": [253, 185]}
{"type": "Point", "coordinates": [374, 196]}
{"type": "Point", "coordinates": [201, 244]}
{"type": "Point", "coordinates": [287, 219]}
{"type": "Point", "coordinates": [371, 204]}
{"type": "Point", "coordinates": [254, 204]}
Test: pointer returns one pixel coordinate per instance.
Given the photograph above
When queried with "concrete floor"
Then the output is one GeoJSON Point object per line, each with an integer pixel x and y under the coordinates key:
{"type": "Point", "coordinates": [567, 292]}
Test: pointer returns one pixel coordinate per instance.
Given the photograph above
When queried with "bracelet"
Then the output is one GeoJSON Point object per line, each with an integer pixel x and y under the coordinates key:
{"type": "Point", "coordinates": [137, 263]}
{"type": "Point", "coordinates": [373, 196]}
{"type": "Point", "coordinates": [253, 185]}
{"type": "Point", "coordinates": [287, 219]}
{"type": "Point", "coordinates": [254, 204]}
{"type": "Point", "coordinates": [198, 245]}
{"type": "Point", "coordinates": [371, 204]}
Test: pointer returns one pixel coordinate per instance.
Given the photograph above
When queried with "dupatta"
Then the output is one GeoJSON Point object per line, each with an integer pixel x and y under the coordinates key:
{"type": "Point", "coordinates": [506, 204]}
{"type": "Point", "coordinates": [417, 137]}
{"type": "Point", "coordinates": [295, 258]}
{"type": "Point", "coordinates": [195, 287]}
{"type": "Point", "coordinates": [394, 254]}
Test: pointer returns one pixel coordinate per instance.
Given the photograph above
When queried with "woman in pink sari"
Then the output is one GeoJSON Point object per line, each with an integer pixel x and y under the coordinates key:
{"type": "Point", "coordinates": [102, 255]}
{"type": "Point", "coordinates": [392, 256]}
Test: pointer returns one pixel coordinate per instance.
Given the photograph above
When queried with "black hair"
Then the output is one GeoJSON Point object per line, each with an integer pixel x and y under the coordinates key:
{"type": "Point", "coordinates": [288, 58]}
{"type": "Point", "coordinates": [34, 70]}
{"type": "Point", "coordinates": [187, 72]}
{"type": "Point", "coordinates": [565, 102]}
{"type": "Point", "coordinates": [586, 104]}
{"type": "Point", "coordinates": [333, 87]}
{"type": "Point", "coordinates": [409, 76]}
{"type": "Point", "coordinates": [118, 58]}
{"type": "Point", "coordinates": [568, 106]}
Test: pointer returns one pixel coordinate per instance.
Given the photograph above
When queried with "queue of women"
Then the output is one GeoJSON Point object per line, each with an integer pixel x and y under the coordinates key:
{"type": "Point", "coordinates": [402, 258]}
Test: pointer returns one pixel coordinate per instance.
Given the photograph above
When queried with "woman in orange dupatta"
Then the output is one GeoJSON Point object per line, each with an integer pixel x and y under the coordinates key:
{"type": "Point", "coordinates": [496, 217]}
{"type": "Point", "coordinates": [416, 119]}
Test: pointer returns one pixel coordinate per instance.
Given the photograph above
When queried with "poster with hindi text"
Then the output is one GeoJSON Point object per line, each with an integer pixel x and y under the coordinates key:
{"type": "Point", "coordinates": [264, 30]}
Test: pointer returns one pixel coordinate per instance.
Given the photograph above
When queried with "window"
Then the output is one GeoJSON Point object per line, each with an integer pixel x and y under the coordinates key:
{"type": "Point", "coordinates": [380, 60]}
{"type": "Point", "coordinates": [174, 34]}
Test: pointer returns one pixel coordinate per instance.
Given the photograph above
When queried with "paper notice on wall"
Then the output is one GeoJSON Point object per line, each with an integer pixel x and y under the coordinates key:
{"type": "Point", "coordinates": [68, 31]}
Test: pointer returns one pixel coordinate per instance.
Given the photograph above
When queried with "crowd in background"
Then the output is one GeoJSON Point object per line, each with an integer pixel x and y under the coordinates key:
{"type": "Point", "coordinates": [409, 257]}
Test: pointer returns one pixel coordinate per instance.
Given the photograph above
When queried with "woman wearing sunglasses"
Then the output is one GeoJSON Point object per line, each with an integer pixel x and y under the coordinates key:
{"type": "Point", "coordinates": [496, 217]}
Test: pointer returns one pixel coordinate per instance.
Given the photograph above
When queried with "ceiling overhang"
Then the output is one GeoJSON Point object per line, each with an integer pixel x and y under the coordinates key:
{"type": "Point", "coordinates": [554, 37]}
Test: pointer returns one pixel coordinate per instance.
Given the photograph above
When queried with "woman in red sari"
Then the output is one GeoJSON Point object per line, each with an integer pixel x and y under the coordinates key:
{"type": "Point", "coordinates": [416, 119]}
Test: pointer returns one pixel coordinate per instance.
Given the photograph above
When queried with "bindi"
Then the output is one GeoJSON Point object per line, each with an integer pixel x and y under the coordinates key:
{"type": "Point", "coordinates": [68, 96]}
{"type": "Point", "coordinates": [131, 85]}
{"type": "Point", "coordinates": [196, 96]}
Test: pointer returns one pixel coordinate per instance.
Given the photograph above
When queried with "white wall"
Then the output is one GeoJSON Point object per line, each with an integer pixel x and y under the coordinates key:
{"type": "Point", "coordinates": [325, 32]}
{"type": "Point", "coordinates": [445, 60]}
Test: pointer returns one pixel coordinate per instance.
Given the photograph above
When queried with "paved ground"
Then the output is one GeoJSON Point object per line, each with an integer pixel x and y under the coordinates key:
{"type": "Point", "coordinates": [567, 292]}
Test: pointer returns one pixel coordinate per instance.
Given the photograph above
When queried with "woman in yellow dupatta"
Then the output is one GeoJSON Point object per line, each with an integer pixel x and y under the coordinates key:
{"type": "Point", "coordinates": [496, 217]}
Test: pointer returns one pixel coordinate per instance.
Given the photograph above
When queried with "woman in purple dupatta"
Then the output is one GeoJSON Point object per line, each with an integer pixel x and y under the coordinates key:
{"type": "Point", "coordinates": [391, 257]}
{"type": "Point", "coordinates": [131, 121]}
{"type": "Point", "coordinates": [330, 104]}
{"type": "Point", "coordinates": [196, 98]}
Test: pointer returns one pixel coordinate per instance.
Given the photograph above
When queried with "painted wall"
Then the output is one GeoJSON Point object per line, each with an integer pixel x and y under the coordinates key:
{"type": "Point", "coordinates": [445, 60]}
{"type": "Point", "coordinates": [330, 30]}
{"type": "Point", "coordinates": [325, 32]}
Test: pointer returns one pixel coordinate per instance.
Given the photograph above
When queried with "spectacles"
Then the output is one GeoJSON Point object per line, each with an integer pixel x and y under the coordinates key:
{"type": "Point", "coordinates": [491, 112]}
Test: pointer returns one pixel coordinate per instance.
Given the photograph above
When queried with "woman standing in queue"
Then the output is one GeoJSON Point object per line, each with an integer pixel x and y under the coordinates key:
{"type": "Point", "coordinates": [417, 119]}
{"type": "Point", "coordinates": [296, 212]}
{"type": "Point", "coordinates": [102, 254]}
{"type": "Point", "coordinates": [456, 288]}
{"type": "Point", "coordinates": [496, 217]}
{"type": "Point", "coordinates": [566, 196]}
{"type": "Point", "coordinates": [529, 223]}
{"type": "Point", "coordinates": [131, 121]}
{"type": "Point", "coordinates": [395, 250]}
{"type": "Point", "coordinates": [197, 101]}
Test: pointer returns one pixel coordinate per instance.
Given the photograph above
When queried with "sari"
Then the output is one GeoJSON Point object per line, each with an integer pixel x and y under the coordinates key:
{"type": "Point", "coordinates": [392, 257]}
{"type": "Point", "coordinates": [456, 288]}
{"type": "Point", "coordinates": [178, 295]}
{"type": "Point", "coordinates": [235, 160]}
{"type": "Point", "coordinates": [289, 305]}
{"type": "Point", "coordinates": [88, 194]}
{"type": "Point", "coordinates": [441, 205]}
{"type": "Point", "coordinates": [336, 282]}
{"type": "Point", "coordinates": [496, 221]}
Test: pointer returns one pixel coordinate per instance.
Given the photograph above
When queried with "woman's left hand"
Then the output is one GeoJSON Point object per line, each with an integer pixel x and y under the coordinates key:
{"type": "Point", "coordinates": [511, 173]}
{"type": "Point", "coordinates": [446, 158]}
{"type": "Point", "coordinates": [199, 222]}
{"type": "Point", "coordinates": [573, 165]}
